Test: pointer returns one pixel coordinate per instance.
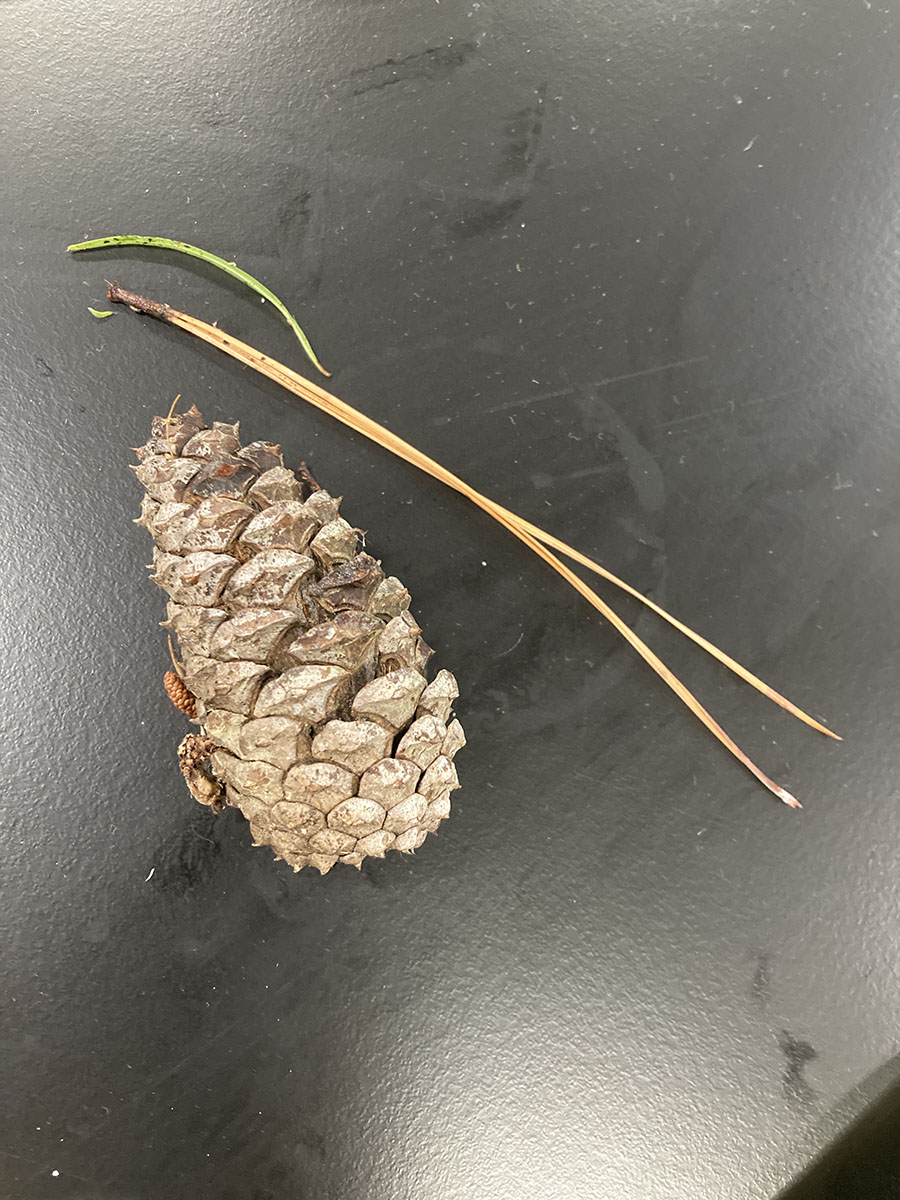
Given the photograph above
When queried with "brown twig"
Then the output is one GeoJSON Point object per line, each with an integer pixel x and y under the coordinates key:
{"type": "Point", "coordinates": [536, 539]}
{"type": "Point", "coordinates": [179, 669]}
{"type": "Point", "coordinates": [137, 303]}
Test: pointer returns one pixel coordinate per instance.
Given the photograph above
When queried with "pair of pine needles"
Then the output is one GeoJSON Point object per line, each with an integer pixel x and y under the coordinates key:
{"type": "Point", "coordinates": [540, 542]}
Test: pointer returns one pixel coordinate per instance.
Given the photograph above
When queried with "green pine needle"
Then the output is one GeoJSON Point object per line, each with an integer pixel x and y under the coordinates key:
{"type": "Point", "coordinates": [214, 260]}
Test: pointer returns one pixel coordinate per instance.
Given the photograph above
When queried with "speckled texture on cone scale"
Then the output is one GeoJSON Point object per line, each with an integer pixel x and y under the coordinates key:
{"type": "Point", "coordinates": [317, 720]}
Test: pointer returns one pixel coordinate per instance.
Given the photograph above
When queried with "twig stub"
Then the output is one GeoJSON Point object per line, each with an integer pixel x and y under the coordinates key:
{"type": "Point", "coordinates": [153, 308]}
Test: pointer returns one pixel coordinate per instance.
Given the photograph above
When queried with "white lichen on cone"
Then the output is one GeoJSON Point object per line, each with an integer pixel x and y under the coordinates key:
{"type": "Point", "coordinates": [309, 669]}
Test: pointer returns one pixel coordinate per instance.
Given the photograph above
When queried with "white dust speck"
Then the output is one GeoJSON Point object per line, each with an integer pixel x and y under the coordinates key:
{"type": "Point", "coordinates": [55, 1174]}
{"type": "Point", "coordinates": [749, 145]}
{"type": "Point", "coordinates": [150, 876]}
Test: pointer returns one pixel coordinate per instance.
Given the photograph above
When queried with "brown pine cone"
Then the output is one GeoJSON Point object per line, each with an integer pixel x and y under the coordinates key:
{"type": "Point", "coordinates": [183, 700]}
{"type": "Point", "coordinates": [307, 667]}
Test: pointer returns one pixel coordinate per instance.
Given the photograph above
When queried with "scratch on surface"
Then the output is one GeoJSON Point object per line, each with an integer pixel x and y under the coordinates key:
{"type": "Point", "coordinates": [32, 1162]}
{"type": "Point", "coordinates": [582, 774]}
{"type": "Point", "coordinates": [534, 399]}
{"type": "Point", "coordinates": [761, 983]}
{"type": "Point", "coordinates": [503, 653]}
{"type": "Point", "coordinates": [558, 393]}
{"type": "Point", "coordinates": [670, 366]}
{"type": "Point", "coordinates": [43, 1169]}
{"type": "Point", "coordinates": [730, 407]}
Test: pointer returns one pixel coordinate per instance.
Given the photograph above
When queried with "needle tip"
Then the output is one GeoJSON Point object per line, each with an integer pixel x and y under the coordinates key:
{"type": "Point", "coordinates": [786, 797]}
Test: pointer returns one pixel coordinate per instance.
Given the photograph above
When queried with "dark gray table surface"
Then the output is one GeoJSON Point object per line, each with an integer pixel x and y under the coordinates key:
{"type": "Point", "coordinates": [632, 269]}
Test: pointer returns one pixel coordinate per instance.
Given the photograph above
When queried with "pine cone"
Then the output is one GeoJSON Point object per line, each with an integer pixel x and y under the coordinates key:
{"type": "Point", "coordinates": [183, 700]}
{"type": "Point", "coordinates": [307, 667]}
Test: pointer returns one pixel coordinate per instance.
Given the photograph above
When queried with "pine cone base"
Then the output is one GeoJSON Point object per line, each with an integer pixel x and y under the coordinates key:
{"type": "Point", "coordinates": [306, 668]}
